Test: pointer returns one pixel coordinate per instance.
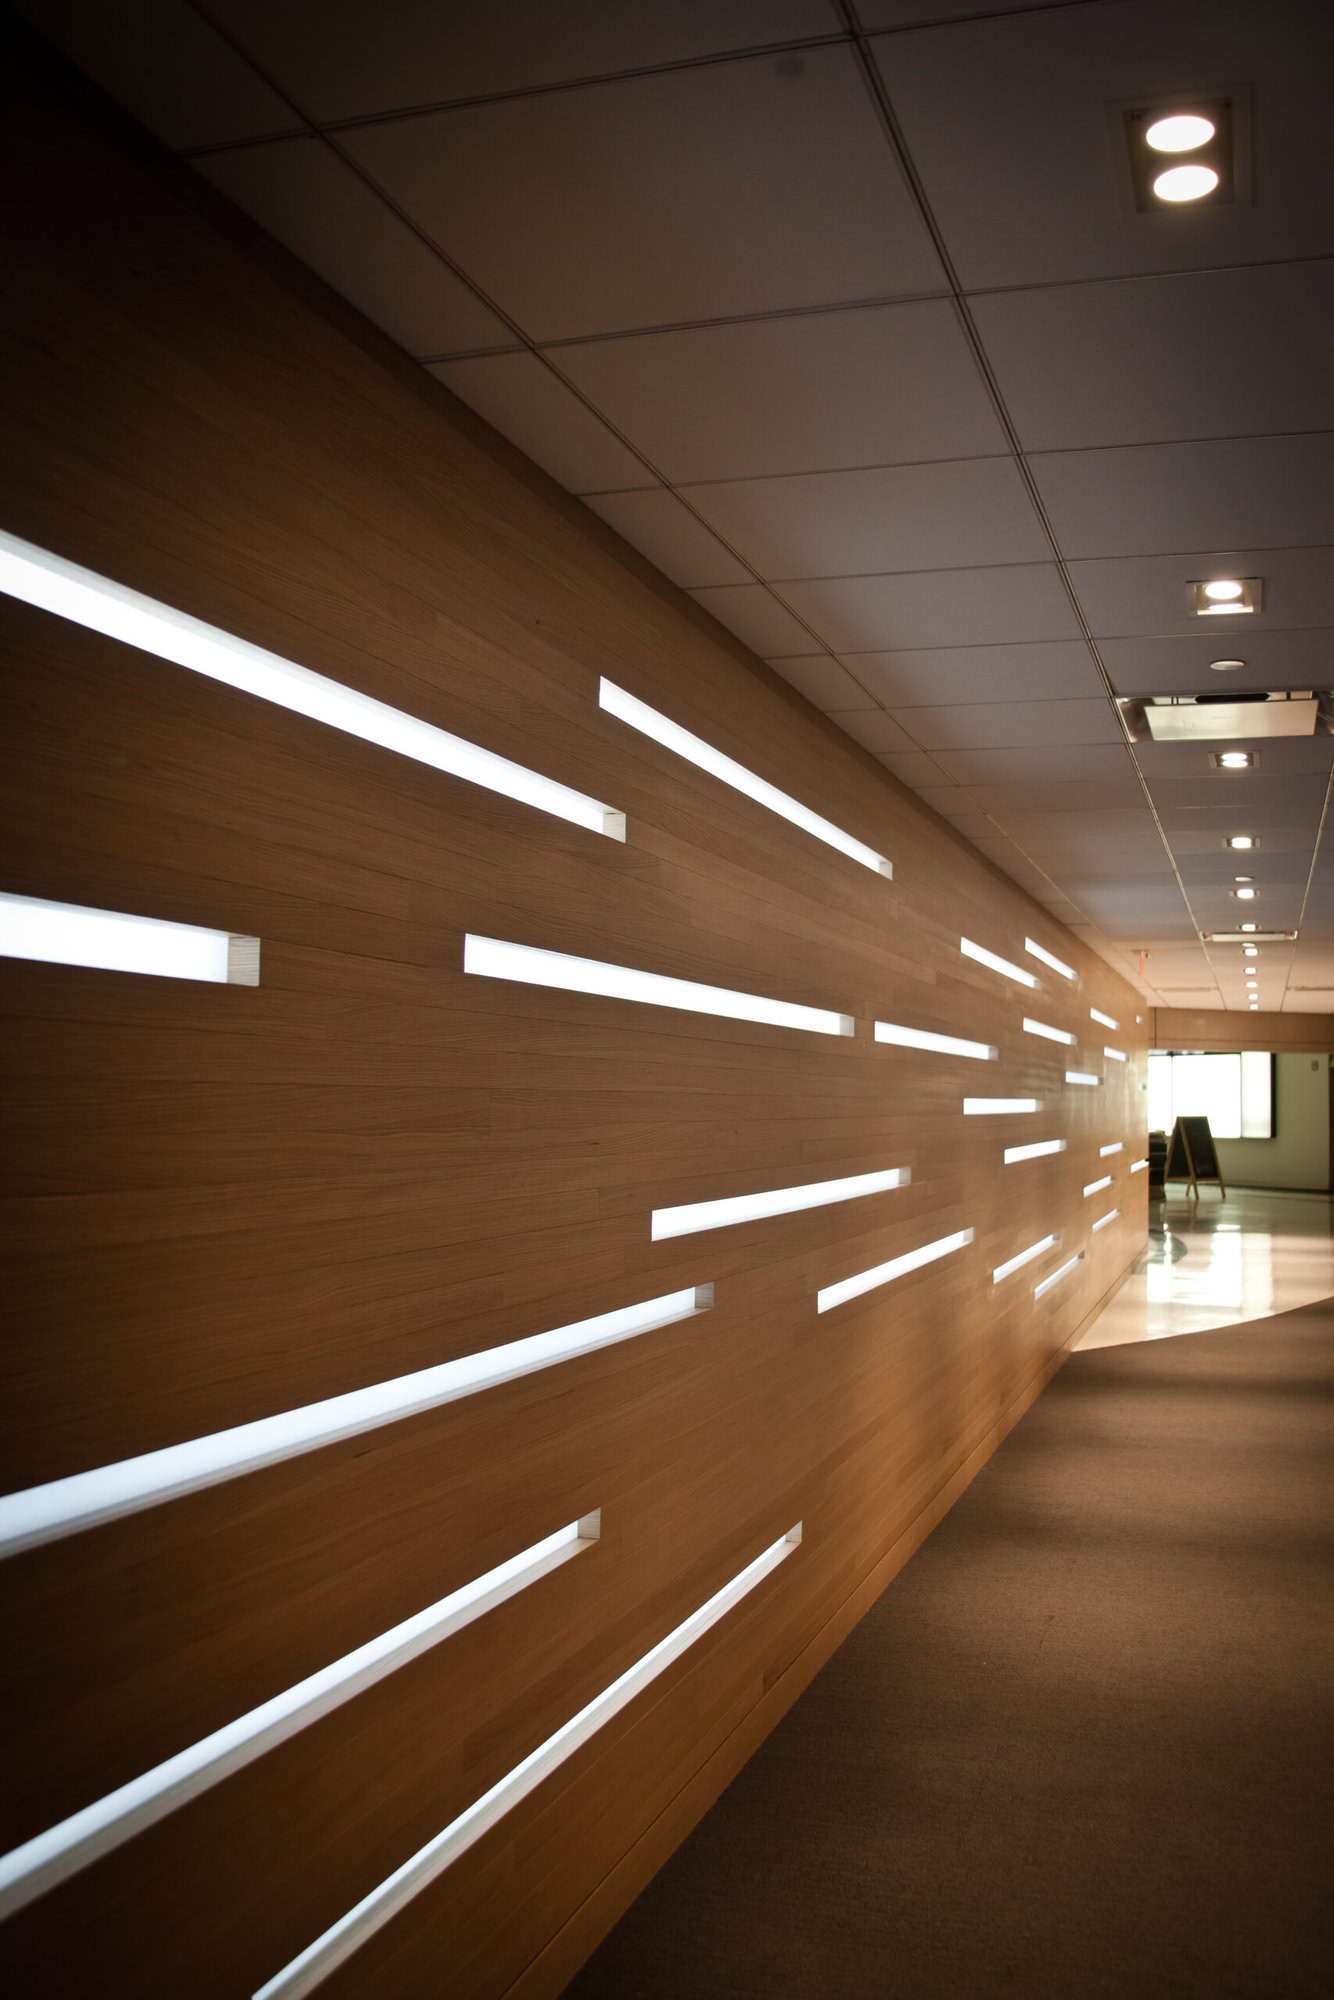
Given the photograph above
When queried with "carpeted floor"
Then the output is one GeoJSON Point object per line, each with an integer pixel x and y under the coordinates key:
{"type": "Point", "coordinates": [1082, 1746]}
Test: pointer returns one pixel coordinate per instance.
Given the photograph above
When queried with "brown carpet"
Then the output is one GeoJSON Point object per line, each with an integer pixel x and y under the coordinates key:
{"type": "Point", "coordinates": [1081, 1746]}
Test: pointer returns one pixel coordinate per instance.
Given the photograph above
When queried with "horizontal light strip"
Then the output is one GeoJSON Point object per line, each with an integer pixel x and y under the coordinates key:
{"type": "Point", "coordinates": [71, 934]}
{"type": "Point", "coordinates": [1106, 1019]}
{"type": "Point", "coordinates": [1003, 965]}
{"type": "Point", "coordinates": [696, 1215]}
{"type": "Point", "coordinates": [670, 734]}
{"type": "Point", "coordinates": [86, 598]}
{"type": "Point", "coordinates": [1117, 1055]}
{"type": "Point", "coordinates": [1050, 1034]}
{"type": "Point", "coordinates": [1137, 1166]}
{"type": "Point", "coordinates": [85, 1499]}
{"type": "Point", "coordinates": [1103, 1220]}
{"type": "Point", "coordinates": [1034, 1152]}
{"type": "Point", "coordinates": [1056, 964]}
{"type": "Point", "coordinates": [882, 1274]}
{"type": "Point", "coordinates": [1094, 1186]}
{"type": "Point", "coordinates": [1117, 1146]}
{"type": "Point", "coordinates": [1056, 1276]}
{"type": "Point", "coordinates": [984, 1107]}
{"type": "Point", "coordinates": [314, 1965]}
{"type": "Point", "coordinates": [1081, 1076]}
{"type": "Point", "coordinates": [940, 1045]}
{"type": "Point", "coordinates": [29, 1871]}
{"type": "Point", "coordinates": [493, 958]}
{"type": "Point", "coordinates": [1024, 1257]}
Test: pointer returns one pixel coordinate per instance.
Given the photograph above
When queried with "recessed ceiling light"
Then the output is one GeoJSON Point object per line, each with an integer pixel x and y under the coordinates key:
{"type": "Point", "coordinates": [1250, 951]}
{"type": "Point", "coordinates": [1255, 1006]}
{"type": "Point", "coordinates": [1250, 927]}
{"type": "Point", "coordinates": [1181, 133]}
{"type": "Point", "coordinates": [1222, 589]}
{"type": "Point", "coordinates": [1243, 878]}
{"type": "Point", "coordinates": [1225, 596]}
{"type": "Point", "coordinates": [1241, 840]}
{"type": "Point", "coordinates": [1225, 666]}
{"type": "Point", "coordinates": [1185, 183]}
{"type": "Point", "coordinates": [1235, 760]}
{"type": "Point", "coordinates": [1244, 895]}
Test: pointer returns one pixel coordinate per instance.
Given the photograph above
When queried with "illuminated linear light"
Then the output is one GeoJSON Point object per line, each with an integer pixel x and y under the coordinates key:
{"type": "Point", "coordinates": [1056, 964]}
{"type": "Point", "coordinates": [1034, 1152]}
{"type": "Point", "coordinates": [52, 1857]}
{"type": "Point", "coordinates": [85, 598]}
{"type": "Point", "coordinates": [884, 1274]}
{"type": "Point", "coordinates": [1024, 1257]}
{"type": "Point", "coordinates": [1118, 1146]}
{"type": "Point", "coordinates": [1106, 1019]}
{"type": "Point", "coordinates": [1138, 1166]}
{"type": "Point", "coordinates": [672, 737]}
{"type": "Point", "coordinates": [1050, 1034]}
{"type": "Point", "coordinates": [494, 958]}
{"type": "Point", "coordinates": [696, 1215]}
{"type": "Point", "coordinates": [1002, 965]}
{"type": "Point", "coordinates": [1081, 1076]}
{"type": "Point", "coordinates": [1103, 1220]}
{"type": "Point", "coordinates": [982, 1107]}
{"type": "Point", "coordinates": [1095, 1187]}
{"type": "Point", "coordinates": [314, 1965]}
{"type": "Point", "coordinates": [85, 1499]}
{"type": "Point", "coordinates": [941, 1045]}
{"type": "Point", "coordinates": [115, 941]}
{"type": "Point", "coordinates": [1117, 1055]}
{"type": "Point", "coordinates": [1056, 1276]}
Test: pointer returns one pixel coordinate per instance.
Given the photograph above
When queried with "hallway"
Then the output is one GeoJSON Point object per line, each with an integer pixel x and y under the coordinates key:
{"type": "Point", "coordinates": [1081, 1745]}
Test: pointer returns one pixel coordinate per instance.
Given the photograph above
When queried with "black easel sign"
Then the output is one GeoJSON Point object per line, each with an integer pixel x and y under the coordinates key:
{"type": "Point", "coordinates": [1192, 1156]}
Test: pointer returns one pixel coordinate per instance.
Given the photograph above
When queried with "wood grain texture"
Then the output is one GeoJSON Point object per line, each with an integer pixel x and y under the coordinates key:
{"type": "Point", "coordinates": [1215, 1031]}
{"type": "Point", "coordinates": [221, 1202]}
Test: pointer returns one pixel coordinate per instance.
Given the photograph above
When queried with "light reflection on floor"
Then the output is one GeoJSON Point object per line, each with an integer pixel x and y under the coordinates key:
{"type": "Point", "coordinates": [1214, 1263]}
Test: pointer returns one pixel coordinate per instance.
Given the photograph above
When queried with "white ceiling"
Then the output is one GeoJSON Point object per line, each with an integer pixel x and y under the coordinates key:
{"type": "Point", "coordinates": [841, 316]}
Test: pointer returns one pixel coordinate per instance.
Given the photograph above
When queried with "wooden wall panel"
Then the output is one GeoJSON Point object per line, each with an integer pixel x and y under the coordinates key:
{"type": "Point", "coordinates": [223, 1202]}
{"type": "Point", "coordinates": [1215, 1032]}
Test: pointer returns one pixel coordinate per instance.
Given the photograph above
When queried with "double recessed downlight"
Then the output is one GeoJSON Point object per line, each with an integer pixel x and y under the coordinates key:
{"type": "Point", "coordinates": [1181, 153]}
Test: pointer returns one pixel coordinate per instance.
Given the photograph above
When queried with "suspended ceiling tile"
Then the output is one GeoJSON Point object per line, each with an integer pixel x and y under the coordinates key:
{"type": "Point", "coordinates": [824, 682]}
{"type": "Point", "coordinates": [1202, 354]}
{"type": "Point", "coordinates": [1133, 595]}
{"type": "Point", "coordinates": [1058, 795]}
{"type": "Point", "coordinates": [1188, 838]}
{"type": "Point", "coordinates": [882, 385]}
{"type": "Point", "coordinates": [876, 14]}
{"type": "Point", "coordinates": [302, 193]}
{"type": "Point", "coordinates": [526, 402]}
{"type": "Point", "coordinates": [1279, 758]}
{"type": "Point", "coordinates": [1007, 121]}
{"type": "Point", "coordinates": [878, 520]}
{"type": "Point", "coordinates": [1260, 493]}
{"type": "Point", "coordinates": [667, 533]}
{"type": "Point", "coordinates": [737, 187]}
{"type": "Point", "coordinates": [1023, 763]}
{"type": "Point", "coordinates": [167, 66]}
{"type": "Point", "coordinates": [998, 725]}
{"type": "Point", "coordinates": [952, 802]}
{"type": "Point", "coordinates": [912, 767]}
{"type": "Point", "coordinates": [958, 607]}
{"type": "Point", "coordinates": [943, 675]}
{"type": "Point", "coordinates": [345, 58]}
{"type": "Point", "coordinates": [1272, 659]}
{"type": "Point", "coordinates": [757, 618]}
{"type": "Point", "coordinates": [874, 730]}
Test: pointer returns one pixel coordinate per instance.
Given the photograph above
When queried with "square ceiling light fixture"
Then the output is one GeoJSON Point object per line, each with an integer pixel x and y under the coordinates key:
{"type": "Point", "coordinates": [1205, 718]}
{"type": "Point", "coordinates": [1235, 760]}
{"type": "Point", "coordinates": [1184, 152]}
{"type": "Point", "coordinates": [1226, 596]}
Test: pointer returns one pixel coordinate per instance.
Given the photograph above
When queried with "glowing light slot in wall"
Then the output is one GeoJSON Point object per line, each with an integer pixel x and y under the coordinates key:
{"type": "Point", "coordinates": [1117, 1146]}
{"type": "Point", "coordinates": [1103, 1220]}
{"type": "Point", "coordinates": [1138, 1166]}
{"type": "Point", "coordinates": [1095, 1187]}
{"type": "Point", "coordinates": [995, 1107]}
{"type": "Point", "coordinates": [672, 737]}
{"type": "Point", "coordinates": [1056, 964]}
{"type": "Point", "coordinates": [939, 1045]}
{"type": "Point", "coordinates": [1024, 1257]}
{"type": "Point", "coordinates": [1105, 1019]}
{"type": "Point", "coordinates": [723, 1214]}
{"type": "Point", "coordinates": [85, 1499]}
{"type": "Point", "coordinates": [1048, 1033]}
{"type": "Point", "coordinates": [85, 598]}
{"type": "Point", "coordinates": [314, 1965]}
{"type": "Point", "coordinates": [1115, 1055]}
{"type": "Point", "coordinates": [114, 941]}
{"type": "Point", "coordinates": [884, 1274]}
{"type": "Point", "coordinates": [1056, 1276]}
{"type": "Point", "coordinates": [29, 1871]}
{"type": "Point", "coordinates": [494, 958]}
{"type": "Point", "coordinates": [1037, 1151]}
{"type": "Point", "coordinates": [1081, 1076]}
{"type": "Point", "coordinates": [1001, 965]}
